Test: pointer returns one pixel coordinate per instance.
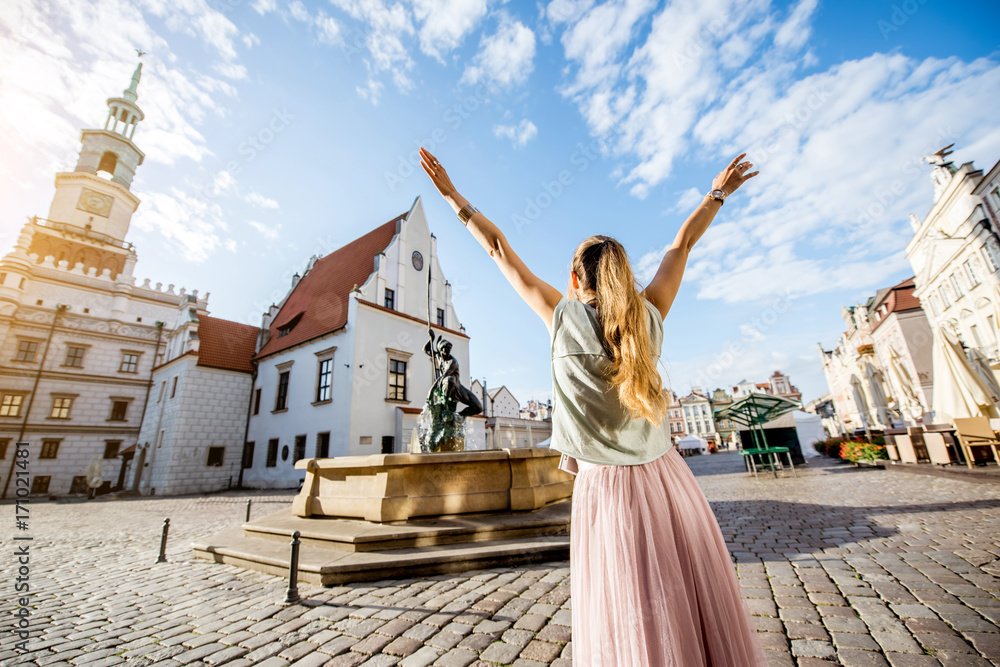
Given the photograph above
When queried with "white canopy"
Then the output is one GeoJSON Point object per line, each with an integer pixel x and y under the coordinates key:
{"type": "Point", "coordinates": [808, 427]}
{"type": "Point", "coordinates": [693, 442]}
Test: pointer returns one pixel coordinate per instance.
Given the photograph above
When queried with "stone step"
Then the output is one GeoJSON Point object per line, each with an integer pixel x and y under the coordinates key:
{"type": "Point", "coordinates": [325, 566]}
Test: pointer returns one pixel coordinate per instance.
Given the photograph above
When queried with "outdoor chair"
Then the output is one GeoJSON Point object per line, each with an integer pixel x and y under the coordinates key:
{"type": "Point", "coordinates": [890, 444]}
{"type": "Point", "coordinates": [916, 434]}
{"type": "Point", "coordinates": [749, 454]}
{"type": "Point", "coordinates": [937, 449]}
{"type": "Point", "coordinates": [976, 432]}
{"type": "Point", "coordinates": [905, 446]}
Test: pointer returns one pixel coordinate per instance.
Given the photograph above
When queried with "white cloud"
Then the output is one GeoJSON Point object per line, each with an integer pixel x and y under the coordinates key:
{"type": "Point", "coordinates": [328, 30]}
{"type": "Point", "coordinates": [688, 201]}
{"type": "Point", "coordinates": [714, 78]}
{"type": "Point", "coordinates": [264, 6]}
{"type": "Point", "coordinates": [262, 201]}
{"type": "Point", "coordinates": [505, 58]}
{"type": "Point", "coordinates": [250, 40]}
{"type": "Point", "coordinates": [445, 23]}
{"type": "Point", "coordinates": [520, 134]}
{"type": "Point", "coordinates": [232, 70]}
{"type": "Point", "coordinates": [298, 11]}
{"type": "Point", "coordinates": [189, 225]}
{"type": "Point", "coordinates": [269, 232]}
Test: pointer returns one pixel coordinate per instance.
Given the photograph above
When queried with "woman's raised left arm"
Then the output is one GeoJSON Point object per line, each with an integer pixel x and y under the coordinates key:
{"type": "Point", "coordinates": [538, 294]}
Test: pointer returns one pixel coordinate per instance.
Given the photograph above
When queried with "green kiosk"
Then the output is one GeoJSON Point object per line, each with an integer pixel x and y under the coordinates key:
{"type": "Point", "coordinates": [754, 411]}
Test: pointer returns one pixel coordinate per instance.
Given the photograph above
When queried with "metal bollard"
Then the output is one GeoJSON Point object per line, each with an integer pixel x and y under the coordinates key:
{"type": "Point", "coordinates": [248, 509]}
{"type": "Point", "coordinates": [163, 542]}
{"type": "Point", "coordinates": [292, 596]}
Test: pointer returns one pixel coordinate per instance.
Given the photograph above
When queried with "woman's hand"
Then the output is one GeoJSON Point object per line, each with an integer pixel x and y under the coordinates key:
{"type": "Point", "coordinates": [733, 176]}
{"type": "Point", "coordinates": [438, 175]}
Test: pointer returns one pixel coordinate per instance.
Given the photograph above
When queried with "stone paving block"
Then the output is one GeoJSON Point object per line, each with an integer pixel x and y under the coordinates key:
{"type": "Point", "coordinates": [911, 660]}
{"type": "Point", "coordinates": [812, 648]}
{"type": "Point", "coordinates": [422, 658]}
{"type": "Point", "coordinates": [859, 658]}
{"type": "Point", "coordinates": [500, 652]}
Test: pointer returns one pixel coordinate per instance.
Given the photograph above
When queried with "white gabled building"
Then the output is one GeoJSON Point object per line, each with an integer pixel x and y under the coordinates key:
{"type": "Point", "coordinates": [341, 369]}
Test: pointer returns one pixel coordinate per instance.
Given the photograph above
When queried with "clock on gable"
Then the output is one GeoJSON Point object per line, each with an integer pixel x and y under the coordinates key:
{"type": "Point", "coordinates": [418, 260]}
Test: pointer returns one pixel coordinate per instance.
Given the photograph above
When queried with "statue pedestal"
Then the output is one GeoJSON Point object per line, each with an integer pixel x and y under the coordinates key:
{"type": "Point", "coordinates": [399, 487]}
{"type": "Point", "coordinates": [364, 518]}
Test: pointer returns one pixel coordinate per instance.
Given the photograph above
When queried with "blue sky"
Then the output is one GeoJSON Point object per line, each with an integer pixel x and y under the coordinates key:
{"type": "Point", "coordinates": [637, 104]}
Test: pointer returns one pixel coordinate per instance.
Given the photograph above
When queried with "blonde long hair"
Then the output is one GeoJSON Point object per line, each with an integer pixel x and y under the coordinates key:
{"type": "Point", "coordinates": [602, 266]}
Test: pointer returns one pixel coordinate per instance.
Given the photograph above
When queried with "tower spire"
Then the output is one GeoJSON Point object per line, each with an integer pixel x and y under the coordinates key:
{"type": "Point", "coordinates": [130, 93]}
{"type": "Point", "coordinates": [124, 110]}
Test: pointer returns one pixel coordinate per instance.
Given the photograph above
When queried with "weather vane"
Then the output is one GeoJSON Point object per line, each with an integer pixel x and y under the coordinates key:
{"type": "Point", "coordinates": [140, 53]}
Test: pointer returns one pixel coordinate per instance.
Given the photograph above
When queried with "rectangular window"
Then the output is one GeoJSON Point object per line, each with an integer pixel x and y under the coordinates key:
{"type": "Point", "coordinates": [61, 407]}
{"type": "Point", "coordinates": [74, 357]}
{"type": "Point", "coordinates": [934, 307]}
{"type": "Point", "coordinates": [79, 485]}
{"type": "Point", "coordinates": [281, 402]}
{"type": "Point", "coordinates": [215, 457]}
{"type": "Point", "coordinates": [945, 298]}
{"type": "Point", "coordinates": [111, 448]}
{"type": "Point", "coordinates": [956, 285]}
{"type": "Point", "coordinates": [440, 314]}
{"type": "Point", "coordinates": [322, 445]}
{"type": "Point", "coordinates": [50, 449]}
{"type": "Point", "coordinates": [390, 299]}
{"type": "Point", "coordinates": [995, 192]}
{"type": "Point", "coordinates": [163, 388]}
{"type": "Point", "coordinates": [10, 405]}
{"type": "Point", "coordinates": [26, 350]}
{"type": "Point", "coordinates": [130, 363]}
{"type": "Point", "coordinates": [397, 379]}
{"type": "Point", "coordinates": [325, 380]}
{"type": "Point", "coordinates": [272, 453]}
{"type": "Point", "coordinates": [256, 401]}
{"type": "Point", "coordinates": [388, 443]}
{"type": "Point", "coordinates": [40, 484]}
{"type": "Point", "coordinates": [248, 456]}
{"type": "Point", "coordinates": [118, 410]}
{"type": "Point", "coordinates": [173, 387]}
{"type": "Point", "coordinates": [3, 447]}
{"type": "Point", "coordinates": [300, 448]}
{"type": "Point", "coordinates": [988, 259]}
{"type": "Point", "coordinates": [970, 272]}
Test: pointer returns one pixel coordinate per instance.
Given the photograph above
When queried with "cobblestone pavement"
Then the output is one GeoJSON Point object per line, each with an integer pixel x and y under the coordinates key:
{"type": "Point", "coordinates": [856, 566]}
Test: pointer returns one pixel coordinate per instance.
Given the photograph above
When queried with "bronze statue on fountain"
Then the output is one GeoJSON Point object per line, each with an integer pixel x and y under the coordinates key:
{"type": "Point", "coordinates": [441, 428]}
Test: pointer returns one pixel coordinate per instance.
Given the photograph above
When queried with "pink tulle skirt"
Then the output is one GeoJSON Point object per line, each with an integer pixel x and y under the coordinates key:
{"type": "Point", "coordinates": [651, 577]}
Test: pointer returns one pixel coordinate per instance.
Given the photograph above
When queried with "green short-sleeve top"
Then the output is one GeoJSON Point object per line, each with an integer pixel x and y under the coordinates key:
{"type": "Point", "coordinates": [588, 421]}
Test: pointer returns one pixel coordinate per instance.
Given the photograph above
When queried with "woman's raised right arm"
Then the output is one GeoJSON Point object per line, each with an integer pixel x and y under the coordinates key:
{"type": "Point", "coordinates": [662, 290]}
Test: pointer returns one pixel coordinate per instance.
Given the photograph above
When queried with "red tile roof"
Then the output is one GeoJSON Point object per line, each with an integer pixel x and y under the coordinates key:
{"type": "Point", "coordinates": [321, 295]}
{"type": "Point", "coordinates": [900, 298]}
{"type": "Point", "coordinates": [225, 344]}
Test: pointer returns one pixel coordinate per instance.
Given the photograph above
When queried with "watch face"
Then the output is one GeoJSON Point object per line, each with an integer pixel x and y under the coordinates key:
{"type": "Point", "coordinates": [418, 260]}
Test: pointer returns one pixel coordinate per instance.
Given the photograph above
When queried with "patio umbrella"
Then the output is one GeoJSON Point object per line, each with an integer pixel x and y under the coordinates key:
{"type": "Point", "coordinates": [904, 381]}
{"type": "Point", "coordinates": [878, 395]}
{"type": "Point", "coordinates": [959, 390]}
{"type": "Point", "coordinates": [982, 366]}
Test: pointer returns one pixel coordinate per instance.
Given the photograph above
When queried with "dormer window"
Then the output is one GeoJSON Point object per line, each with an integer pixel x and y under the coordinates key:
{"type": "Point", "coordinates": [287, 327]}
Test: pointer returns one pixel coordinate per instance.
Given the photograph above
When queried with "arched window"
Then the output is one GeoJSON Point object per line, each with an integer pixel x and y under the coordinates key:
{"type": "Point", "coordinates": [107, 166]}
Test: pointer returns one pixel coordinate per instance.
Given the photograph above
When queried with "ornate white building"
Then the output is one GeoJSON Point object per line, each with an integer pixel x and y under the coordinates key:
{"type": "Point", "coordinates": [854, 375]}
{"type": "Point", "coordinates": [78, 336]}
{"type": "Point", "coordinates": [955, 253]}
{"type": "Point", "coordinates": [341, 368]}
{"type": "Point", "coordinates": [699, 419]}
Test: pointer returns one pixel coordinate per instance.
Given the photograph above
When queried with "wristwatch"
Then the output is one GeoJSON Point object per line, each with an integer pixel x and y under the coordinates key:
{"type": "Point", "coordinates": [467, 212]}
{"type": "Point", "coordinates": [718, 195]}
